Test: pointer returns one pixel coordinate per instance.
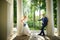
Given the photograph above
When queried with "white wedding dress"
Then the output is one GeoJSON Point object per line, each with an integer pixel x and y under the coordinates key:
{"type": "Point", "coordinates": [26, 29]}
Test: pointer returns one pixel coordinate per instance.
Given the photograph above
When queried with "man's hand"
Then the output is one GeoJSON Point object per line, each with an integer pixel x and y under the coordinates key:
{"type": "Point", "coordinates": [39, 19]}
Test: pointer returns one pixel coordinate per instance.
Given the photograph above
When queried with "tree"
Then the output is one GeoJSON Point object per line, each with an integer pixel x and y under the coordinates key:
{"type": "Point", "coordinates": [38, 5]}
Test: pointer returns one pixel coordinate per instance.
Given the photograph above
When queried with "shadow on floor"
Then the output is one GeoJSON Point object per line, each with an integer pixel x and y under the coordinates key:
{"type": "Point", "coordinates": [23, 37]}
{"type": "Point", "coordinates": [51, 38]}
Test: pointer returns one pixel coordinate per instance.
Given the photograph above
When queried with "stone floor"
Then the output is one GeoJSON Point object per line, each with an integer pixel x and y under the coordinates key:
{"type": "Point", "coordinates": [34, 36]}
{"type": "Point", "coordinates": [23, 37]}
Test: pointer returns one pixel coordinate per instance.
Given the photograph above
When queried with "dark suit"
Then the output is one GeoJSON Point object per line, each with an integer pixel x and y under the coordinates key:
{"type": "Point", "coordinates": [44, 24]}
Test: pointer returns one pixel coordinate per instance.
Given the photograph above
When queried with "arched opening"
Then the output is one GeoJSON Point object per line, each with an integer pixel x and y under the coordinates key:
{"type": "Point", "coordinates": [33, 9]}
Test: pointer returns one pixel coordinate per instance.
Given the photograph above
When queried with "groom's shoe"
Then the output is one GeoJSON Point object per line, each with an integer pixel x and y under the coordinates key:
{"type": "Point", "coordinates": [39, 34]}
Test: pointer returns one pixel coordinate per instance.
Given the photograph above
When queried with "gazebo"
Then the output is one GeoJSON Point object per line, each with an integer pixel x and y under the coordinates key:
{"type": "Point", "coordinates": [6, 18]}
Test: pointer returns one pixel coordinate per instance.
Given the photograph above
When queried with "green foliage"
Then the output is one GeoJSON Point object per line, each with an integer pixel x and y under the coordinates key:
{"type": "Point", "coordinates": [15, 11]}
{"type": "Point", "coordinates": [35, 5]}
{"type": "Point", "coordinates": [43, 4]}
{"type": "Point", "coordinates": [55, 12]}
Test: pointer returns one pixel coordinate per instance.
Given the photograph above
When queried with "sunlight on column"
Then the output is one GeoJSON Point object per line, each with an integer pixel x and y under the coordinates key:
{"type": "Point", "coordinates": [55, 32]}
{"type": "Point", "coordinates": [13, 36]}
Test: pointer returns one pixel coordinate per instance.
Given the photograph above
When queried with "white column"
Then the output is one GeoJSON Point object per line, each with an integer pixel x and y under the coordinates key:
{"type": "Point", "coordinates": [19, 16]}
{"type": "Point", "coordinates": [49, 11]}
{"type": "Point", "coordinates": [9, 18]}
{"type": "Point", "coordinates": [58, 16]}
{"type": "Point", "coordinates": [6, 19]}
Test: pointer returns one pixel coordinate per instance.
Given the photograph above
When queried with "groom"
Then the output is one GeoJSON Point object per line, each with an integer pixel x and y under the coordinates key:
{"type": "Point", "coordinates": [44, 24]}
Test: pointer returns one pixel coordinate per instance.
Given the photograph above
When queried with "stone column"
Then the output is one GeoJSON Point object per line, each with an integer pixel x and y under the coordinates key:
{"type": "Point", "coordinates": [10, 15]}
{"type": "Point", "coordinates": [19, 16]}
{"type": "Point", "coordinates": [49, 13]}
{"type": "Point", "coordinates": [58, 16]}
{"type": "Point", "coordinates": [6, 19]}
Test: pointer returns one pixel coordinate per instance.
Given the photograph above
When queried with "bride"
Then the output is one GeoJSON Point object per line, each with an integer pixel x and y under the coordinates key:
{"type": "Point", "coordinates": [26, 29]}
